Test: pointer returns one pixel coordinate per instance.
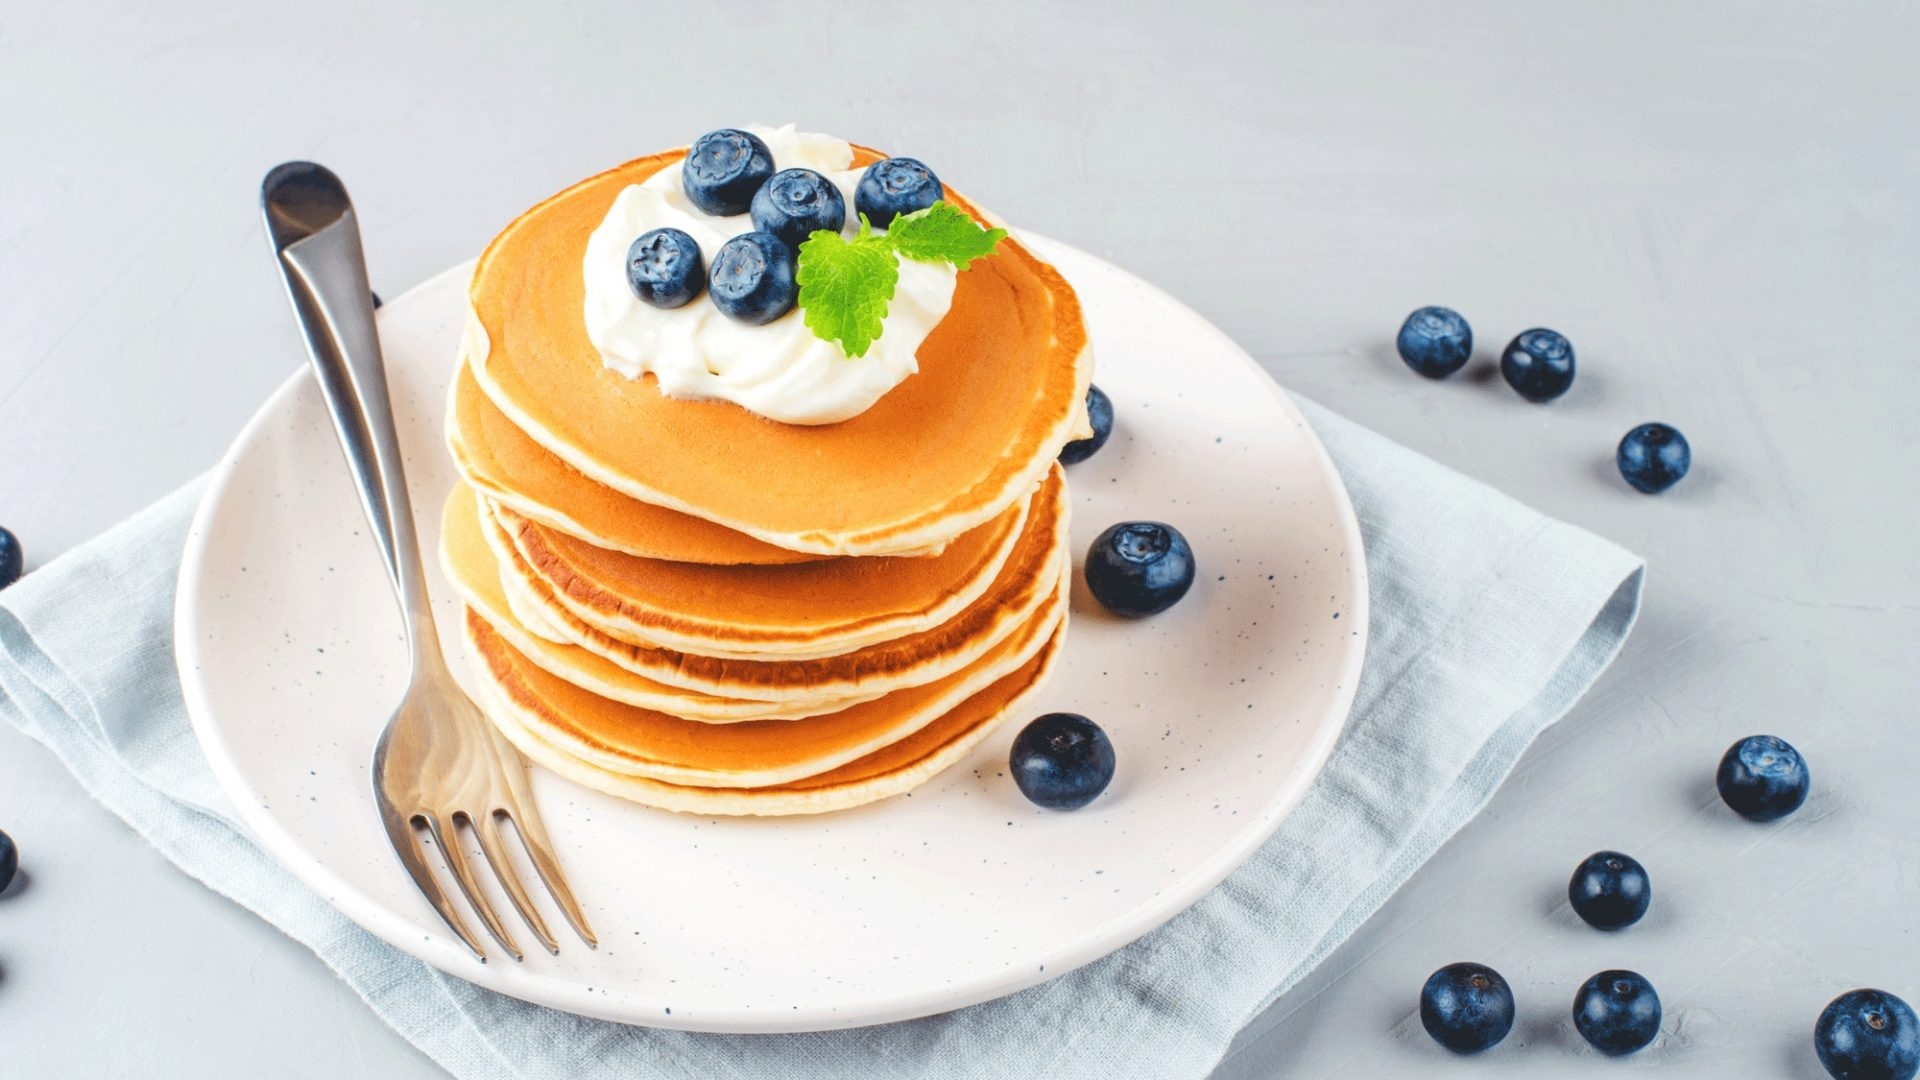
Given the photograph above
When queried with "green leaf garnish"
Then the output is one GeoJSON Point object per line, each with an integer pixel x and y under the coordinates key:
{"type": "Point", "coordinates": [943, 233]}
{"type": "Point", "coordinates": [846, 285]}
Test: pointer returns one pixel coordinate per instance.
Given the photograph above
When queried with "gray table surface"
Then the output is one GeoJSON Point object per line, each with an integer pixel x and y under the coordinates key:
{"type": "Point", "coordinates": [1715, 201]}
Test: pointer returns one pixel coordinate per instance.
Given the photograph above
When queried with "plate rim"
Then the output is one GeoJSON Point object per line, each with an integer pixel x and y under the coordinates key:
{"type": "Point", "coordinates": [443, 952]}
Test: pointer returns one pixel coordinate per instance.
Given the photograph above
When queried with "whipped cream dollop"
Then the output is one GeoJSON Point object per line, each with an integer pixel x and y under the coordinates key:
{"type": "Point", "coordinates": [779, 370]}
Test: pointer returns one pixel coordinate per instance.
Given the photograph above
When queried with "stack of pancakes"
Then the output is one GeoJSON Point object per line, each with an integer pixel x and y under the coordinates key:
{"type": "Point", "coordinates": [693, 607]}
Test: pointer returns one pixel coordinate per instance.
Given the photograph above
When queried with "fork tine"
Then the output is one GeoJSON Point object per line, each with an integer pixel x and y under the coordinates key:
{"type": "Point", "coordinates": [533, 836]}
{"type": "Point", "coordinates": [406, 845]}
{"type": "Point", "coordinates": [456, 857]}
{"type": "Point", "coordinates": [488, 830]}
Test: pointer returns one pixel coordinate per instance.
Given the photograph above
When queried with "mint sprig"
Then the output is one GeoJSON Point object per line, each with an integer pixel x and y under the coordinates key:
{"type": "Point", "coordinates": [846, 285]}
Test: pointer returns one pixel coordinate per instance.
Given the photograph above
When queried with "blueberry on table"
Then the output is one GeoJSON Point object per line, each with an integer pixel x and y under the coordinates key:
{"type": "Point", "coordinates": [1466, 1007]}
{"type": "Point", "coordinates": [376, 300]}
{"type": "Point", "coordinates": [1061, 761]}
{"type": "Point", "coordinates": [1653, 457]}
{"type": "Point", "coordinates": [1435, 341]}
{"type": "Point", "coordinates": [1617, 1011]}
{"type": "Point", "coordinates": [752, 278]}
{"type": "Point", "coordinates": [1538, 364]}
{"type": "Point", "coordinates": [9, 861]}
{"type": "Point", "coordinates": [1100, 415]}
{"type": "Point", "coordinates": [795, 204]}
{"type": "Point", "coordinates": [665, 269]}
{"type": "Point", "coordinates": [1139, 568]}
{"type": "Point", "coordinates": [1763, 778]}
{"type": "Point", "coordinates": [895, 186]}
{"type": "Point", "coordinates": [723, 170]}
{"type": "Point", "coordinates": [1868, 1035]}
{"type": "Point", "coordinates": [1610, 890]}
{"type": "Point", "coordinates": [13, 560]}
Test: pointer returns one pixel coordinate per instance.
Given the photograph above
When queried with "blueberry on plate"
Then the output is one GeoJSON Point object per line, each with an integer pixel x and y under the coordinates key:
{"type": "Point", "coordinates": [9, 861]}
{"type": "Point", "coordinates": [1868, 1035]}
{"type": "Point", "coordinates": [1653, 457]}
{"type": "Point", "coordinates": [723, 170]}
{"type": "Point", "coordinates": [1100, 415]}
{"type": "Point", "coordinates": [1610, 890]}
{"type": "Point", "coordinates": [895, 186]}
{"type": "Point", "coordinates": [665, 269]}
{"type": "Point", "coordinates": [1061, 761]}
{"type": "Point", "coordinates": [13, 560]}
{"type": "Point", "coordinates": [1466, 1007]}
{"type": "Point", "coordinates": [1435, 341]}
{"type": "Point", "coordinates": [1763, 778]}
{"type": "Point", "coordinates": [1139, 568]}
{"type": "Point", "coordinates": [1617, 1011]}
{"type": "Point", "coordinates": [752, 278]}
{"type": "Point", "coordinates": [1538, 364]}
{"type": "Point", "coordinates": [797, 203]}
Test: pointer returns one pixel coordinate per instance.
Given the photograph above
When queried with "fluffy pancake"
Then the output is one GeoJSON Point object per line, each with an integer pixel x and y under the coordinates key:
{"type": "Point", "coordinates": [802, 611]}
{"type": "Point", "coordinates": [639, 742]}
{"type": "Point", "coordinates": [517, 707]}
{"type": "Point", "coordinates": [1023, 583]}
{"type": "Point", "coordinates": [1000, 389]}
{"type": "Point", "coordinates": [502, 463]}
{"type": "Point", "coordinates": [471, 565]}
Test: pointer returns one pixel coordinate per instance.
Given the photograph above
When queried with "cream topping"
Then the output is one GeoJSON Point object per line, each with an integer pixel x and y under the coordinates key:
{"type": "Point", "coordinates": [779, 370]}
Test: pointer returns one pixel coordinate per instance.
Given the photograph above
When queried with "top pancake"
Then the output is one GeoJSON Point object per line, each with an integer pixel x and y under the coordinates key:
{"type": "Point", "coordinates": [1000, 389]}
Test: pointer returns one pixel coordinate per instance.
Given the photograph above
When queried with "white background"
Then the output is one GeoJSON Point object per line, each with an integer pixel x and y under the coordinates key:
{"type": "Point", "coordinates": [1715, 201]}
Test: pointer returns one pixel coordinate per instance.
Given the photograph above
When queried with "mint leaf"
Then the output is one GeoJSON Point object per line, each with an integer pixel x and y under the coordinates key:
{"type": "Point", "coordinates": [846, 285]}
{"type": "Point", "coordinates": [943, 233]}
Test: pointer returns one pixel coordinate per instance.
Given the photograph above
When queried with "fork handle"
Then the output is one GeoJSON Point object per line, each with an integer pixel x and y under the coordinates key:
{"type": "Point", "coordinates": [326, 278]}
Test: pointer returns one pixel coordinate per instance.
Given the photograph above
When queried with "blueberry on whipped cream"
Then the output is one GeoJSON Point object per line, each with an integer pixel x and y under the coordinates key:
{"type": "Point", "coordinates": [723, 170]}
{"type": "Point", "coordinates": [664, 267]}
{"type": "Point", "coordinates": [752, 279]}
{"type": "Point", "coordinates": [795, 204]}
{"type": "Point", "coordinates": [894, 186]}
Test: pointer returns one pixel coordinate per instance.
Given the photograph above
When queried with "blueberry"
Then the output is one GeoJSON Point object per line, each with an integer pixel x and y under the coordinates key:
{"type": "Point", "coordinates": [1653, 457]}
{"type": "Point", "coordinates": [1061, 761]}
{"type": "Point", "coordinates": [1100, 414]}
{"type": "Point", "coordinates": [9, 861]}
{"type": "Point", "coordinates": [1539, 364]}
{"type": "Point", "coordinates": [796, 203]}
{"type": "Point", "coordinates": [664, 268]}
{"type": "Point", "coordinates": [1466, 1007]}
{"type": "Point", "coordinates": [1868, 1035]}
{"type": "Point", "coordinates": [12, 559]}
{"type": "Point", "coordinates": [895, 186]}
{"type": "Point", "coordinates": [376, 300]}
{"type": "Point", "coordinates": [724, 169]}
{"type": "Point", "coordinates": [1763, 778]}
{"type": "Point", "coordinates": [752, 278]}
{"type": "Point", "coordinates": [1138, 568]}
{"type": "Point", "coordinates": [1435, 341]}
{"type": "Point", "coordinates": [1610, 890]}
{"type": "Point", "coordinates": [1617, 1011]}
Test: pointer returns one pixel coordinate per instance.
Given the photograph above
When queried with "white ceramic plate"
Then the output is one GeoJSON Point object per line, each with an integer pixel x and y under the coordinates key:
{"type": "Point", "coordinates": [1222, 710]}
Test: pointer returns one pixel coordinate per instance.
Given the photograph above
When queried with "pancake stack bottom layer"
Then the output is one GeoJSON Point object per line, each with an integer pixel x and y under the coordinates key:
{"type": "Point", "coordinates": [786, 688]}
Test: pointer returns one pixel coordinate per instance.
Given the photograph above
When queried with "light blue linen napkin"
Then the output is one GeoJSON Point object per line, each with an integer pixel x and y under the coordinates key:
{"type": "Point", "coordinates": [1489, 621]}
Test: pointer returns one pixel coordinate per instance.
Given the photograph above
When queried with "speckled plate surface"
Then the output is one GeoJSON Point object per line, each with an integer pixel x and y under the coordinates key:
{"type": "Point", "coordinates": [1222, 710]}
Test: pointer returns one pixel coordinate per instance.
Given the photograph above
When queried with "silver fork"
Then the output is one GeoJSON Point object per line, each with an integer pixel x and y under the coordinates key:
{"type": "Point", "coordinates": [439, 765]}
